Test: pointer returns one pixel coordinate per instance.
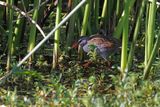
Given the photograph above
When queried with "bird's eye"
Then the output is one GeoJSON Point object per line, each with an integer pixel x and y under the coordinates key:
{"type": "Point", "coordinates": [79, 41]}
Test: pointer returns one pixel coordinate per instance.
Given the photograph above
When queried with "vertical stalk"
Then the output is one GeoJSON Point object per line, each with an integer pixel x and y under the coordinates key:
{"type": "Point", "coordinates": [124, 44]}
{"type": "Point", "coordinates": [152, 56]}
{"type": "Point", "coordinates": [151, 26]}
{"type": "Point", "coordinates": [70, 34]}
{"type": "Point", "coordinates": [118, 8]}
{"type": "Point", "coordinates": [7, 13]}
{"type": "Point", "coordinates": [1, 14]}
{"type": "Point", "coordinates": [19, 29]}
{"type": "Point", "coordinates": [109, 18]}
{"type": "Point", "coordinates": [96, 13]}
{"type": "Point", "coordinates": [57, 35]}
{"type": "Point", "coordinates": [10, 35]}
{"type": "Point", "coordinates": [104, 14]}
{"type": "Point", "coordinates": [32, 33]}
{"type": "Point", "coordinates": [135, 35]}
{"type": "Point", "coordinates": [119, 27]}
{"type": "Point", "coordinates": [1, 21]}
{"type": "Point", "coordinates": [150, 39]}
{"type": "Point", "coordinates": [146, 37]}
{"type": "Point", "coordinates": [17, 32]}
{"type": "Point", "coordinates": [86, 17]}
{"type": "Point", "coordinates": [128, 6]}
{"type": "Point", "coordinates": [85, 23]}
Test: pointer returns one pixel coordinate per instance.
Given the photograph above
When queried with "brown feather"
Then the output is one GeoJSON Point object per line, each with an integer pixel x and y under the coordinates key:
{"type": "Point", "coordinates": [99, 40]}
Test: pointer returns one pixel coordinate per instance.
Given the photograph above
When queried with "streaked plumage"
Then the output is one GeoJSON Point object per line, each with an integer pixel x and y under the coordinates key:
{"type": "Point", "coordinates": [104, 45]}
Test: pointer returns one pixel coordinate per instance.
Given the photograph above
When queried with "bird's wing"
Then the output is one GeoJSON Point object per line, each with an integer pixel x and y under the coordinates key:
{"type": "Point", "coordinates": [99, 41]}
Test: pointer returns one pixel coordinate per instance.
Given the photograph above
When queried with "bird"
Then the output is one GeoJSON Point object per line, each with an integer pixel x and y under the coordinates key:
{"type": "Point", "coordinates": [102, 44]}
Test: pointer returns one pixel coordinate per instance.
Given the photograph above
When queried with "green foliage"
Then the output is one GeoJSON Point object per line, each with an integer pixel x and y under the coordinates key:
{"type": "Point", "coordinates": [73, 84]}
{"type": "Point", "coordinates": [92, 53]}
{"type": "Point", "coordinates": [57, 89]}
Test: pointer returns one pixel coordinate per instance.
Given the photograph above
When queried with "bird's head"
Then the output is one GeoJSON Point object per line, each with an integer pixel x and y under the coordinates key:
{"type": "Point", "coordinates": [82, 41]}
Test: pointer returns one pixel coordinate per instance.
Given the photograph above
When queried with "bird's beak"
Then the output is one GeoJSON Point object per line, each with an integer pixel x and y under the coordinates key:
{"type": "Point", "coordinates": [75, 45]}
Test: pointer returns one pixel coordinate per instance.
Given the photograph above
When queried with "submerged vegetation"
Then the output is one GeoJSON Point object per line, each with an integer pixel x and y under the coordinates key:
{"type": "Point", "coordinates": [39, 66]}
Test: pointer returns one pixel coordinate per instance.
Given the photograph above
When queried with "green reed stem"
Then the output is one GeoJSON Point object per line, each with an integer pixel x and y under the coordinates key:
{"type": "Point", "coordinates": [86, 18]}
{"type": "Point", "coordinates": [135, 35]}
{"type": "Point", "coordinates": [71, 27]}
{"type": "Point", "coordinates": [151, 26]}
{"type": "Point", "coordinates": [96, 14]}
{"type": "Point", "coordinates": [19, 28]}
{"type": "Point", "coordinates": [146, 37]}
{"type": "Point", "coordinates": [84, 24]}
{"type": "Point", "coordinates": [152, 56]}
{"type": "Point", "coordinates": [150, 39]}
{"type": "Point", "coordinates": [118, 8]}
{"type": "Point", "coordinates": [32, 33]}
{"type": "Point", "coordinates": [104, 13]}
{"type": "Point", "coordinates": [56, 49]}
{"type": "Point", "coordinates": [10, 35]}
{"type": "Point", "coordinates": [128, 6]}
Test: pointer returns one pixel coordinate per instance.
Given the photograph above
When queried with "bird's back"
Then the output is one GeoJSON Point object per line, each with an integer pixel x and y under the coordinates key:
{"type": "Point", "coordinates": [104, 42]}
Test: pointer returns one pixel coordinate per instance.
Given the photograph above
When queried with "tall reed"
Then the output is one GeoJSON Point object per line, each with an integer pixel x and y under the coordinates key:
{"type": "Point", "coordinates": [152, 56]}
{"type": "Point", "coordinates": [104, 14]}
{"type": "Point", "coordinates": [2, 30]}
{"type": "Point", "coordinates": [10, 34]}
{"type": "Point", "coordinates": [56, 49]}
{"type": "Point", "coordinates": [32, 33]}
{"type": "Point", "coordinates": [135, 35]}
{"type": "Point", "coordinates": [151, 26]}
{"type": "Point", "coordinates": [19, 28]}
{"type": "Point", "coordinates": [124, 55]}
{"type": "Point", "coordinates": [84, 24]}
{"type": "Point", "coordinates": [96, 14]}
{"type": "Point", "coordinates": [71, 28]}
{"type": "Point", "coordinates": [150, 35]}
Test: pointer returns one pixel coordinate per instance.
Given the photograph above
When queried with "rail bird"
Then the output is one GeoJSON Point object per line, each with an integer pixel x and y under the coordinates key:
{"type": "Point", "coordinates": [103, 45]}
